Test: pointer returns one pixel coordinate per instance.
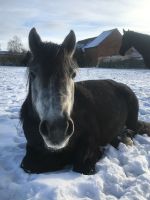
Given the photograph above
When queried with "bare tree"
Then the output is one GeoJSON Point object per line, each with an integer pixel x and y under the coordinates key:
{"type": "Point", "coordinates": [15, 45]}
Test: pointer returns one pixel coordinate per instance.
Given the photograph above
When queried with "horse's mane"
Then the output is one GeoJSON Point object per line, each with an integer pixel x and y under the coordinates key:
{"type": "Point", "coordinates": [137, 34]}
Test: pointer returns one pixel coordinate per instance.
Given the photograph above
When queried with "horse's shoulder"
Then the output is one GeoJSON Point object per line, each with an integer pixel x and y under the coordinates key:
{"type": "Point", "coordinates": [95, 84]}
{"type": "Point", "coordinates": [104, 87]}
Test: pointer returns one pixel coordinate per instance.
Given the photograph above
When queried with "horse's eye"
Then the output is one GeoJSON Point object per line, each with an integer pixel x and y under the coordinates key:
{"type": "Point", "coordinates": [32, 75]}
{"type": "Point", "coordinates": [73, 74]}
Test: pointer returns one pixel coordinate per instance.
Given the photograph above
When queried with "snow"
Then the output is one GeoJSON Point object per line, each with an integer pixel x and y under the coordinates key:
{"type": "Point", "coordinates": [122, 174]}
{"type": "Point", "coordinates": [98, 39]}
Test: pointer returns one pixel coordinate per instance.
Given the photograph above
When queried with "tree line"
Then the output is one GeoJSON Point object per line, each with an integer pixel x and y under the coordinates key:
{"type": "Point", "coordinates": [16, 52]}
{"type": "Point", "coordinates": [15, 45]}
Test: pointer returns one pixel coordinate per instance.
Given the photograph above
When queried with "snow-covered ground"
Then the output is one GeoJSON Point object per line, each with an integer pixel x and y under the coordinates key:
{"type": "Point", "coordinates": [122, 174]}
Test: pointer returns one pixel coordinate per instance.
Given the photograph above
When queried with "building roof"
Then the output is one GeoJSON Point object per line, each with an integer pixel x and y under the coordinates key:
{"type": "Point", "coordinates": [99, 39]}
{"type": "Point", "coordinates": [95, 41]}
{"type": "Point", "coordinates": [82, 43]}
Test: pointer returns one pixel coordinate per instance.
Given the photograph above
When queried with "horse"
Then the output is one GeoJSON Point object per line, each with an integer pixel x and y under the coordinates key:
{"type": "Point", "coordinates": [141, 42]}
{"type": "Point", "coordinates": [67, 122]}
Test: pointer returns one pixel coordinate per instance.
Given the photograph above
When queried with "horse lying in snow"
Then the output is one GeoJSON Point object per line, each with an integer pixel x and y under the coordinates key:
{"type": "Point", "coordinates": [66, 122]}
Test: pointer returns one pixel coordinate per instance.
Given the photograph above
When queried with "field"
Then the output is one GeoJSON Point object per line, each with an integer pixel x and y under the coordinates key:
{"type": "Point", "coordinates": [122, 174]}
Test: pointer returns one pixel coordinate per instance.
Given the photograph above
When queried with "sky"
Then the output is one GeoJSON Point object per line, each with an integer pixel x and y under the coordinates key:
{"type": "Point", "coordinates": [53, 19]}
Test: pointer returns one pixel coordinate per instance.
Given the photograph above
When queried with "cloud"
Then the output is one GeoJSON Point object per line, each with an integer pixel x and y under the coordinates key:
{"type": "Point", "coordinates": [54, 19]}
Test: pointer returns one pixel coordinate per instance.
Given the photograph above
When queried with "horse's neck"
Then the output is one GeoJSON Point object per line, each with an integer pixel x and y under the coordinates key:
{"type": "Point", "coordinates": [139, 43]}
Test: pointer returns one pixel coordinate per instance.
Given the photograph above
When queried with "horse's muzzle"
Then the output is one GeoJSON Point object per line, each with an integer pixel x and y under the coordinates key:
{"type": "Point", "coordinates": [57, 132]}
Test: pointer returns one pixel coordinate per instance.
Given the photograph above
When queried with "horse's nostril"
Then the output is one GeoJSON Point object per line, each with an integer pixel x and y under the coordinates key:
{"type": "Point", "coordinates": [44, 127]}
{"type": "Point", "coordinates": [70, 127]}
{"type": "Point", "coordinates": [56, 131]}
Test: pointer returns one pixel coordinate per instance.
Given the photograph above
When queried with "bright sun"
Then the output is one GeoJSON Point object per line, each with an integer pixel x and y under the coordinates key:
{"type": "Point", "coordinates": [140, 16]}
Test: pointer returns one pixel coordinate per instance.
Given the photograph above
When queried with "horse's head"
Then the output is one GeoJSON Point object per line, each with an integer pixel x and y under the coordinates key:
{"type": "Point", "coordinates": [126, 43]}
{"type": "Point", "coordinates": [51, 73]}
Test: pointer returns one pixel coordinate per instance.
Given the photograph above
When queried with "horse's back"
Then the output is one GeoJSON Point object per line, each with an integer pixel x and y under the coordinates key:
{"type": "Point", "coordinates": [106, 94]}
{"type": "Point", "coordinates": [102, 90]}
{"type": "Point", "coordinates": [111, 102]}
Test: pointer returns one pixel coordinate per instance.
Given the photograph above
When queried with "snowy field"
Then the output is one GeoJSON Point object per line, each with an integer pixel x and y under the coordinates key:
{"type": "Point", "coordinates": [122, 174]}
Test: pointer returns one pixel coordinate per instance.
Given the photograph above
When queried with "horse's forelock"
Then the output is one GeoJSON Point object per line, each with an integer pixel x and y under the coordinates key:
{"type": "Point", "coordinates": [52, 59]}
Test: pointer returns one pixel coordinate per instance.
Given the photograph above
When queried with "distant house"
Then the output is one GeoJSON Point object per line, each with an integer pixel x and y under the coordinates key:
{"type": "Point", "coordinates": [105, 44]}
{"type": "Point", "coordinates": [11, 58]}
{"type": "Point", "coordinates": [134, 54]}
{"type": "Point", "coordinates": [2, 53]}
{"type": "Point", "coordinates": [8, 53]}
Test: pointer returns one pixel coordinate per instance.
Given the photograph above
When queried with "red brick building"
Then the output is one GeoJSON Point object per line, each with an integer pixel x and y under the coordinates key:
{"type": "Point", "coordinates": [106, 44]}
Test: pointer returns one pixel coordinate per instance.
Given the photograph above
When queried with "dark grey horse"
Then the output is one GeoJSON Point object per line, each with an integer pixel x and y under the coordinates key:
{"type": "Point", "coordinates": [66, 122]}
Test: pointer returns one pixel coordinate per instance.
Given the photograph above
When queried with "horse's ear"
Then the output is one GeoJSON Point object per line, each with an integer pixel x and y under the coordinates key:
{"type": "Point", "coordinates": [34, 40]}
{"type": "Point", "coordinates": [124, 31]}
{"type": "Point", "coordinates": [69, 43]}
